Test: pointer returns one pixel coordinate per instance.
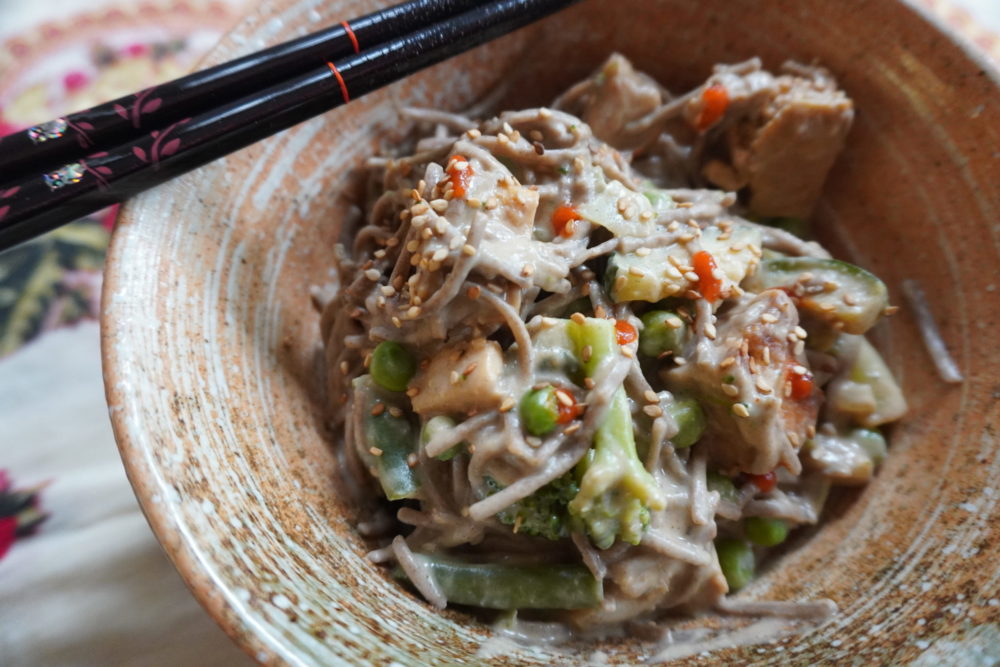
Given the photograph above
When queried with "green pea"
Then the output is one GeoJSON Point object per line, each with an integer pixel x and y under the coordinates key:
{"type": "Point", "coordinates": [737, 562]}
{"type": "Point", "coordinates": [872, 442]}
{"type": "Point", "coordinates": [690, 420]}
{"type": "Point", "coordinates": [392, 366]}
{"type": "Point", "coordinates": [436, 425]}
{"type": "Point", "coordinates": [662, 331]}
{"type": "Point", "coordinates": [727, 490]}
{"type": "Point", "coordinates": [764, 531]}
{"type": "Point", "coordinates": [540, 410]}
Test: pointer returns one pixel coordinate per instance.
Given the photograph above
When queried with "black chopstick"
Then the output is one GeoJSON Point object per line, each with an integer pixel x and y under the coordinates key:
{"type": "Point", "coordinates": [71, 137]}
{"type": "Point", "coordinates": [36, 204]}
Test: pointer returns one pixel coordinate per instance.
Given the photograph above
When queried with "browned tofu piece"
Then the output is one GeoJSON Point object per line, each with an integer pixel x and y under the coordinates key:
{"type": "Point", "coordinates": [460, 380]}
{"type": "Point", "coordinates": [795, 148]}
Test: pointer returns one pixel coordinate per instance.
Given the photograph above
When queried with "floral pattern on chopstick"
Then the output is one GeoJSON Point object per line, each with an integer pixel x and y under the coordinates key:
{"type": "Point", "coordinates": [161, 147]}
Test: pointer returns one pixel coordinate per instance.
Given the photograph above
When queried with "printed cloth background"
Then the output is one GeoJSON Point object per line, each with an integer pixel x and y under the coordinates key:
{"type": "Point", "coordinates": [89, 584]}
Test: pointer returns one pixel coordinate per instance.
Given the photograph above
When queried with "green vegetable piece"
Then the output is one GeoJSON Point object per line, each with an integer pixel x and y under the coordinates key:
{"type": "Point", "coordinates": [393, 438]}
{"type": "Point", "coordinates": [764, 531]}
{"type": "Point", "coordinates": [690, 420]}
{"type": "Point", "coordinates": [870, 369]}
{"type": "Point", "coordinates": [392, 366]}
{"type": "Point", "coordinates": [663, 331]}
{"type": "Point", "coordinates": [836, 293]}
{"type": "Point", "coordinates": [543, 513]}
{"type": "Point", "coordinates": [436, 425]}
{"type": "Point", "coordinates": [616, 492]}
{"type": "Point", "coordinates": [502, 586]}
{"type": "Point", "coordinates": [872, 442]}
{"type": "Point", "coordinates": [540, 410]}
{"type": "Point", "coordinates": [727, 490]}
{"type": "Point", "coordinates": [737, 562]}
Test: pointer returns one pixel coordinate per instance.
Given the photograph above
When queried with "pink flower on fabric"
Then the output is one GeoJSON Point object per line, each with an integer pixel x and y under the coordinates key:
{"type": "Point", "coordinates": [20, 514]}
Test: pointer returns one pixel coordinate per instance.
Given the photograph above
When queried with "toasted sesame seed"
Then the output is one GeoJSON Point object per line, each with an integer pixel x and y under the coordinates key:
{"type": "Point", "coordinates": [572, 428]}
{"type": "Point", "coordinates": [564, 398]}
{"type": "Point", "coordinates": [810, 431]}
{"type": "Point", "coordinates": [710, 330]}
{"type": "Point", "coordinates": [474, 133]}
{"type": "Point", "coordinates": [396, 322]}
{"type": "Point", "coordinates": [589, 383]}
{"type": "Point", "coordinates": [379, 254]}
{"type": "Point", "coordinates": [415, 259]}
{"type": "Point", "coordinates": [527, 270]}
{"type": "Point", "coordinates": [473, 292]}
{"type": "Point", "coordinates": [579, 165]}
{"type": "Point", "coordinates": [646, 216]}
{"type": "Point", "coordinates": [740, 410]}
{"type": "Point", "coordinates": [544, 113]}
{"type": "Point", "coordinates": [375, 451]}
{"type": "Point", "coordinates": [650, 396]}
{"type": "Point", "coordinates": [415, 195]}
{"type": "Point", "coordinates": [628, 352]}
{"type": "Point", "coordinates": [491, 203]}
{"type": "Point", "coordinates": [426, 233]}
{"type": "Point", "coordinates": [686, 238]}
{"type": "Point", "coordinates": [769, 318]}
{"type": "Point", "coordinates": [413, 312]}
{"type": "Point", "coordinates": [507, 405]}
{"type": "Point", "coordinates": [468, 250]}
{"type": "Point", "coordinates": [413, 391]}
{"type": "Point", "coordinates": [766, 356]}
{"type": "Point", "coordinates": [889, 311]}
{"type": "Point", "coordinates": [578, 318]}
{"type": "Point", "coordinates": [439, 254]}
{"type": "Point", "coordinates": [600, 313]}
{"type": "Point", "coordinates": [373, 274]}
{"type": "Point", "coordinates": [433, 266]}
{"type": "Point", "coordinates": [507, 128]}
{"type": "Point", "coordinates": [680, 361]}
{"type": "Point", "coordinates": [439, 205]}
{"type": "Point", "coordinates": [503, 138]}
{"type": "Point", "coordinates": [586, 353]}
{"type": "Point", "coordinates": [380, 301]}
{"type": "Point", "coordinates": [378, 409]}
{"type": "Point", "coordinates": [412, 460]}
{"type": "Point", "coordinates": [799, 370]}
{"type": "Point", "coordinates": [786, 390]}
{"type": "Point", "coordinates": [763, 386]}
{"type": "Point", "coordinates": [730, 390]}
{"type": "Point", "coordinates": [539, 148]}
{"type": "Point", "coordinates": [727, 362]}
{"type": "Point", "coordinates": [454, 377]}
{"type": "Point", "coordinates": [420, 208]}
{"type": "Point", "coordinates": [636, 271]}
{"type": "Point", "coordinates": [388, 290]}
{"type": "Point", "coordinates": [643, 251]}
{"type": "Point", "coordinates": [653, 410]}
{"type": "Point", "coordinates": [849, 300]}
{"type": "Point", "coordinates": [800, 332]}
{"type": "Point", "coordinates": [691, 276]}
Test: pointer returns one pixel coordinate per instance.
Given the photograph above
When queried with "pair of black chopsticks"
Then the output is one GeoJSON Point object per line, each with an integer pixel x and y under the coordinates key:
{"type": "Point", "coordinates": [56, 172]}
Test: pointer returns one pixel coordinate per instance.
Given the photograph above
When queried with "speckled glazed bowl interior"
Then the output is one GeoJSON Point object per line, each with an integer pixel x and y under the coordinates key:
{"type": "Point", "coordinates": [212, 346]}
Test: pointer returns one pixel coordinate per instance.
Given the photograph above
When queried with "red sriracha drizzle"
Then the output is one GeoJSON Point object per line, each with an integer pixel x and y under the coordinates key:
{"type": "Point", "coordinates": [765, 482]}
{"type": "Point", "coordinates": [625, 332]}
{"type": "Point", "coordinates": [802, 385]}
{"type": "Point", "coordinates": [567, 413]}
{"type": "Point", "coordinates": [564, 219]}
{"type": "Point", "coordinates": [460, 178]}
{"type": "Point", "coordinates": [715, 101]}
{"type": "Point", "coordinates": [709, 286]}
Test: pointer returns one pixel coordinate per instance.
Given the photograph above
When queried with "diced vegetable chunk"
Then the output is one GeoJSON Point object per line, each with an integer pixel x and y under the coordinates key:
{"type": "Point", "coordinates": [386, 440]}
{"type": "Point", "coordinates": [460, 380]}
{"type": "Point", "coordinates": [502, 586]}
{"type": "Point", "coordinates": [841, 294]}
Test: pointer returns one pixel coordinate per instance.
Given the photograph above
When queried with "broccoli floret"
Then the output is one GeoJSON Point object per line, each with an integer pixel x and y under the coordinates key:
{"type": "Point", "coordinates": [616, 492]}
{"type": "Point", "coordinates": [543, 513]}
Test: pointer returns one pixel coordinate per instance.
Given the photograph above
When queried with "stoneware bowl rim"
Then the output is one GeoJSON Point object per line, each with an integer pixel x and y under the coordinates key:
{"type": "Point", "coordinates": [168, 527]}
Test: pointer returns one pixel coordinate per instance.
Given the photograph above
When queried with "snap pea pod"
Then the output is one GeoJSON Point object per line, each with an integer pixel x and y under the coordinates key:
{"type": "Point", "coordinates": [387, 440]}
{"type": "Point", "coordinates": [830, 290]}
{"type": "Point", "coordinates": [504, 586]}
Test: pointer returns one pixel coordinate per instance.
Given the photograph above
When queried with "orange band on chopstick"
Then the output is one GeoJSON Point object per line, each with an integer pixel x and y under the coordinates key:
{"type": "Point", "coordinates": [350, 33]}
{"type": "Point", "coordinates": [340, 80]}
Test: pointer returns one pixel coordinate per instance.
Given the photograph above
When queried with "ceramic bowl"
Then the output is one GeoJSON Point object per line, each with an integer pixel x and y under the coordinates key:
{"type": "Point", "coordinates": [212, 350]}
